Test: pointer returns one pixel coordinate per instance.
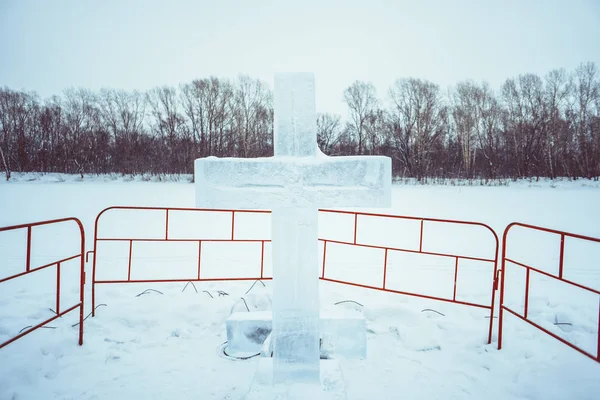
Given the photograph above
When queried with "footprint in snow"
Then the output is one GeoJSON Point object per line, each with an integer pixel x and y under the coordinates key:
{"type": "Point", "coordinates": [110, 358]}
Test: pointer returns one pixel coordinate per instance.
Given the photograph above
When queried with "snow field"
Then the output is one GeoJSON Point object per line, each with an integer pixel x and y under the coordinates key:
{"type": "Point", "coordinates": [160, 346]}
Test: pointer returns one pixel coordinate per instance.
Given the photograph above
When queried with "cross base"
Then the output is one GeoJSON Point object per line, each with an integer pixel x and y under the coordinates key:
{"type": "Point", "coordinates": [343, 334]}
{"type": "Point", "coordinates": [330, 387]}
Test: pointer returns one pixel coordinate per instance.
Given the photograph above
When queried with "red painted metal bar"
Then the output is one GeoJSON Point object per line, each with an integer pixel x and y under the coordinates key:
{"type": "Point", "coordinates": [383, 288]}
{"type": "Point", "coordinates": [355, 226]}
{"type": "Point", "coordinates": [95, 251]}
{"type": "Point", "coordinates": [57, 288]}
{"type": "Point", "coordinates": [167, 224]}
{"type": "Point", "coordinates": [598, 348]}
{"type": "Point", "coordinates": [129, 263]}
{"type": "Point", "coordinates": [494, 288]}
{"type": "Point", "coordinates": [369, 214]}
{"type": "Point", "coordinates": [199, 256]}
{"type": "Point", "coordinates": [354, 242]}
{"type": "Point", "coordinates": [131, 240]}
{"type": "Point", "coordinates": [324, 256]}
{"type": "Point", "coordinates": [455, 277]}
{"type": "Point", "coordinates": [133, 208]}
{"type": "Point", "coordinates": [253, 278]}
{"type": "Point", "coordinates": [525, 311]}
{"type": "Point", "coordinates": [465, 303]}
{"type": "Point", "coordinates": [216, 210]}
{"type": "Point", "coordinates": [549, 275]}
{"type": "Point", "coordinates": [232, 225]}
{"type": "Point", "coordinates": [63, 260]}
{"type": "Point", "coordinates": [36, 269]}
{"type": "Point", "coordinates": [20, 274]}
{"type": "Point", "coordinates": [546, 331]}
{"type": "Point", "coordinates": [81, 281]}
{"type": "Point", "coordinates": [20, 335]}
{"type": "Point", "coordinates": [81, 284]}
{"type": "Point", "coordinates": [28, 262]}
{"type": "Point", "coordinates": [430, 253]}
{"type": "Point", "coordinates": [262, 259]}
{"type": "Point", "coordinates": [57, 263]}
{"type": "Point", "coordinates": [421, 238]}
{"type": "Point", "coordinates": [178, 240]}
{"type": "Point", "coordinates": [561, 261]}
{"type": "Point", "coordinates": [501, 308]}
{"type": "Point", "coordinates": [543, 229]}
{"type": "Point", "coordinates": [528, 268]}
{"type": "Point", "coordinates": [493, 283]}
{"type": "Point", "coordinates": [385, 259]}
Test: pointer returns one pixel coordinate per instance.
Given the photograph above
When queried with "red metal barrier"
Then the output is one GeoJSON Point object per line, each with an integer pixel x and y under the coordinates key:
{"type": "Point", "coordinates": [197, 276]}
{"type": "Point", "coordinates": [386, 249]}
{"type": "Point", "coordinates": [30, 270]}
{"type": "Point", "coordinates": [558, 277]}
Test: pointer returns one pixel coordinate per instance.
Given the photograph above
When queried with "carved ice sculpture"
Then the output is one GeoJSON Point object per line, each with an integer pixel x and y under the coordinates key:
{"type": "Point", "coordinates": [294, 183]}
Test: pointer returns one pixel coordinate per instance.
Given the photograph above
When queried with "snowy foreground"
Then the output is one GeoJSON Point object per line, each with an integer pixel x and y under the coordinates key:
{"type": "Point", "coordinates": [155, 346]}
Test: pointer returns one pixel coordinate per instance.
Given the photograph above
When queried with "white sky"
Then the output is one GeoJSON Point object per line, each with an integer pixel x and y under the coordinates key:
{"type": "Point", "coordinates": [48, 46]}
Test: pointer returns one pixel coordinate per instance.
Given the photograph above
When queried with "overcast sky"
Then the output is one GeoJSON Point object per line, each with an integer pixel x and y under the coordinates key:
{"type": "Point", "coordinates": [48, 46]}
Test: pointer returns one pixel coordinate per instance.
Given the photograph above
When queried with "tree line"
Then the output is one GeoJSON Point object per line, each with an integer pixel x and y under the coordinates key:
{"type": "Point", "coordinates": [532, 127]}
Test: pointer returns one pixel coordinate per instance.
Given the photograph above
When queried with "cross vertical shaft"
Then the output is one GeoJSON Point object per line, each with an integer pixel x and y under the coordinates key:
{"type": "Point", "coordinates": [295, 295]}
{"type": "Point", "coordinates": [293, 184]}
{"type": "Point", "coordinates": [296, 286]}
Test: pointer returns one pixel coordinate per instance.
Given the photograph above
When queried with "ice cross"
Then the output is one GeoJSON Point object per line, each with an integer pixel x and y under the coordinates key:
{"type": "Point", "coordinates": [294, 183]}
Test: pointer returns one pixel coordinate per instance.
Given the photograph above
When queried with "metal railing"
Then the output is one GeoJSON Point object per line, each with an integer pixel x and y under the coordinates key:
{"type": "Point", "coordinates": [56, 263]}
{"type": "Point", "coordinates": [529, 269]}
{"type": "Point", "coordinates": [386, 249]}
{"type": "Point", "coordinates": [198, 273]}
{"type": "Point", "coordinates": [167, 237]}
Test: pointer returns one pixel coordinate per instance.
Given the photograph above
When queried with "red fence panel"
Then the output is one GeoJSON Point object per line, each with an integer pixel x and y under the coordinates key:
{"type": "Point", "coordinates": [28, 270]}
{"type": "Point", "coordinates": [559, 277]}
{"type": "Point", "coordinates": [229, 234]}
{"type": "Point", "coordinates": [164, 232]}
{"type": "Point", "coordinates": [419, 247]}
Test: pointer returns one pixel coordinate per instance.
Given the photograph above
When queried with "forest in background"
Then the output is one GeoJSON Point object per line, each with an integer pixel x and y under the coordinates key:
{"type": "Point", "coordinates": [531, 127]}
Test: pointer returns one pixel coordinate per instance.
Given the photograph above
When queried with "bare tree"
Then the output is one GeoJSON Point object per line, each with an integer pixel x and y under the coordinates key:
{"type": "Point", "coordinates": [420, 119]}
{"type": "Point", "coordinates": [585, 115]}
{"type": "Point", "coordinates": [362, 102]}
{"type": "Point", "coordinates": [464, 113]}
{"type": "Point", "coordinates": [18, 122]}
{"type": "Point", "coordinates": [328, 126]}
{"type": "Point", "coordinates": [489, 127]}
{"type": "Point", "coordinates": [526, 119]}
{"type": "Point", "coordinates": [533, 127]}
{"type": "Point", "coordinates": [558, 141]}
{"type": "Point", "coordinates": [167, 124]}
{"type": "Point", "coordinates": [254, 116]}
{"type": "Point", "coordinates": [123, 114]}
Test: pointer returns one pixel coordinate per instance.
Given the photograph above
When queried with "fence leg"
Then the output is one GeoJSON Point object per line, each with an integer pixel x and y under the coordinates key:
{"type": "Point", "coordinates": [324, 255]}
{"type": "Point", "coordinates": [494, 288]}
{"type": "Point", "coordinates": [57, 288]}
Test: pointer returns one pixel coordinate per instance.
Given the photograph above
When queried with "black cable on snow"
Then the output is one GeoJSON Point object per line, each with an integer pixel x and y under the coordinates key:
{"type": "Point", "coordinates": [246, 304]}
{"type": "Point", "coordinates": [31, 326]}
{"type": "Point", "coordinates": [348, 301]}
{"type": "Point", "coordinates": [149, 290]}
{"type": "Point", "coordinates": [186, 285]}
{"type": "Point", "coordinates": [248, 291]}
{"type": "Point", "coordinates": [223, 348]}
{"type": "Point", "coordinates": [429, 309]}
{"type": "Point", "coordinates": [99, 305]}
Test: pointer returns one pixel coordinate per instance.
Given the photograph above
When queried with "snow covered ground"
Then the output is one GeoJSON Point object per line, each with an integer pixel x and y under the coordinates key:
{"type": "Point", "coordinates": [157, 346]}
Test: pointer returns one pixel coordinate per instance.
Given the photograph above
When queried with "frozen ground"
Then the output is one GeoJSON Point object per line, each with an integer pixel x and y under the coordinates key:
{"type": "Point", "coordinates": [165, 346]}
